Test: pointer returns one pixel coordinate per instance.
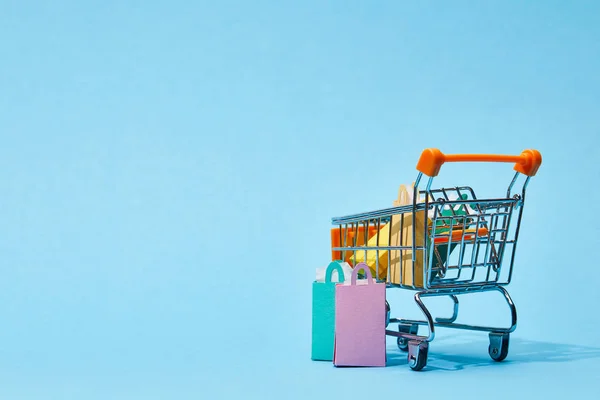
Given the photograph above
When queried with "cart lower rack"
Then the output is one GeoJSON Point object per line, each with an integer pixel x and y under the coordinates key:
{"type": "Point", "coordinates": [441, 242]}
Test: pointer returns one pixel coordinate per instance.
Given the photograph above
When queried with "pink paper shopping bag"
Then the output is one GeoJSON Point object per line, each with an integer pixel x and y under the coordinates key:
{"type": "Point", "coordinates": [360, 322]}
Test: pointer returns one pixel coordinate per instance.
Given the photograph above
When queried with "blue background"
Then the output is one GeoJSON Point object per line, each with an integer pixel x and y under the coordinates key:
{"type": "Point", "coordinates": [168, 171]}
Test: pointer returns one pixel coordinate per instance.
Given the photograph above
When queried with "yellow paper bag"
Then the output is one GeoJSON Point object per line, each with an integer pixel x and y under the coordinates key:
{"type": "Point", "coordinates": [371, 255]}
{"type": "Point", "coordinates": [400, 260]}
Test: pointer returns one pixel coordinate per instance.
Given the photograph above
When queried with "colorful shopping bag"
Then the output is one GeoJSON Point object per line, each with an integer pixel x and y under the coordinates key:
{"type": "Point", "coordinates": [349, 237]}
{"type": "Point", "coordinates": [360, 313]}
{"type": "Point", "coordinates": [402, 269]}
{"type": "Point", "coordinates": [323, 314]}
{"type": "Point", "coordinates": [442, 227]}
{"type": "Point", "coordinates": [401, 261]}
{"type": "Point", "coordinates": [397, 232]}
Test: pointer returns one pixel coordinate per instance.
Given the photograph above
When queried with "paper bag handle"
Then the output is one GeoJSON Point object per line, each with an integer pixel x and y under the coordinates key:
{"type": "Point", "coordinates": [365, 268]}
{"type": "Point", "coordinates": [334, 265]}
{"type": "Point", "coordinates": [403, 198]}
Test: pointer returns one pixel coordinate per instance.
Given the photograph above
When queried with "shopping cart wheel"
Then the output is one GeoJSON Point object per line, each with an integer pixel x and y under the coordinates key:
{"type": "Point", "coordinates": [498, 348]}
{"type": "Point", "coordinates": [410, 329]}
{"type": "Point", "coordinates": [417, 354]}
{"type": "Point", "coordinates": [403, 344]}
{"type": "Point", "coordinates": [387, 313]}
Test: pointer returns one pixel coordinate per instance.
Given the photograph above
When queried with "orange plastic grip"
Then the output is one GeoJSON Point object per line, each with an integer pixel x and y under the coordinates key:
{"type": "Point", "coordinates": [431, 161]}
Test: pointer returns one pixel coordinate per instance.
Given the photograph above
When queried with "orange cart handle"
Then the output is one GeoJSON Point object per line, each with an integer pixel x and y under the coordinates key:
{"type": "Point", "coordinates": [431, 161]}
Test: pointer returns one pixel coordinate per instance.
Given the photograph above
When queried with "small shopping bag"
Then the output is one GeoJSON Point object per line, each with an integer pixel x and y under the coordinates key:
{"type": "Point", "coordinates": [323, 314]}
{"type": "Point", "coordinates": [360, 313]}
{"type": "Point", "coordinates": [398, 232]}
{"type": "Point", "coordinates": [401, 265]}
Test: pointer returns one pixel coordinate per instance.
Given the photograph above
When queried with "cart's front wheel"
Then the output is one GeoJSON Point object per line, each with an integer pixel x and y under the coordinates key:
{"type": "Point", "coordinates": [417, 354]}
{"type": "Point", "coordinates": [498, 348]}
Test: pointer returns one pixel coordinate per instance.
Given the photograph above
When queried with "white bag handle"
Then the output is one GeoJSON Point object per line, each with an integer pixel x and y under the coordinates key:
{"type": "Point", "coordinates": [404, 197]}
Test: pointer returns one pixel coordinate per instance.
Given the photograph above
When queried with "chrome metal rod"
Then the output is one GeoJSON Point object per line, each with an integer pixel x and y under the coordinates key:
{"type": "Point", "coordinates": [454, 313]}
{"type": "Point", "coordinates": [430, 322]}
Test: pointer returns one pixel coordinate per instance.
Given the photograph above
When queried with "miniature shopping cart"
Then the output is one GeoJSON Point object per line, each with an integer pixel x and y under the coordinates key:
{"type": "Point", "coordinates": [443, 242]}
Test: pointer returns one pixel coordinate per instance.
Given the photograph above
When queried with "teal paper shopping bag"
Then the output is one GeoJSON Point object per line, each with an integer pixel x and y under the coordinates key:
{"type": "Point", "coordinates": [323, 314]}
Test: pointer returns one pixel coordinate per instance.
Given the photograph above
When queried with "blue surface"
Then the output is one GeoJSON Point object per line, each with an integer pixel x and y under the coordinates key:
{"type": "Point", "coordinates": [168, 172]}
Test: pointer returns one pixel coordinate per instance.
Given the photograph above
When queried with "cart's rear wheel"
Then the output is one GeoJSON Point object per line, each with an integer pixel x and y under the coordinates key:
{"type": "Point", "coordinates": [403, 344]}
{"type": "Point", "coordinates": [417, 354]}
{"type": "Point", "coordinates": [387, 313]}
{"type": "Point", "coordinates": [498, 348]}
{"type": "Point", "coordinates": [408, 329]}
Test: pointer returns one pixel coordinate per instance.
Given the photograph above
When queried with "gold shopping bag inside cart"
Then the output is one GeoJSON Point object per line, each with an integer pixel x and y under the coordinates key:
{"type": "Point", "coordinates": [401, 265]}
{"type": "Point", "coordinates": [370, 257]}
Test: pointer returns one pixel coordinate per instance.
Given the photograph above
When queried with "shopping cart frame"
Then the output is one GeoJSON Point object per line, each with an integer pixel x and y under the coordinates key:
{"type": "Point", "coordinates": [487, 213]}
